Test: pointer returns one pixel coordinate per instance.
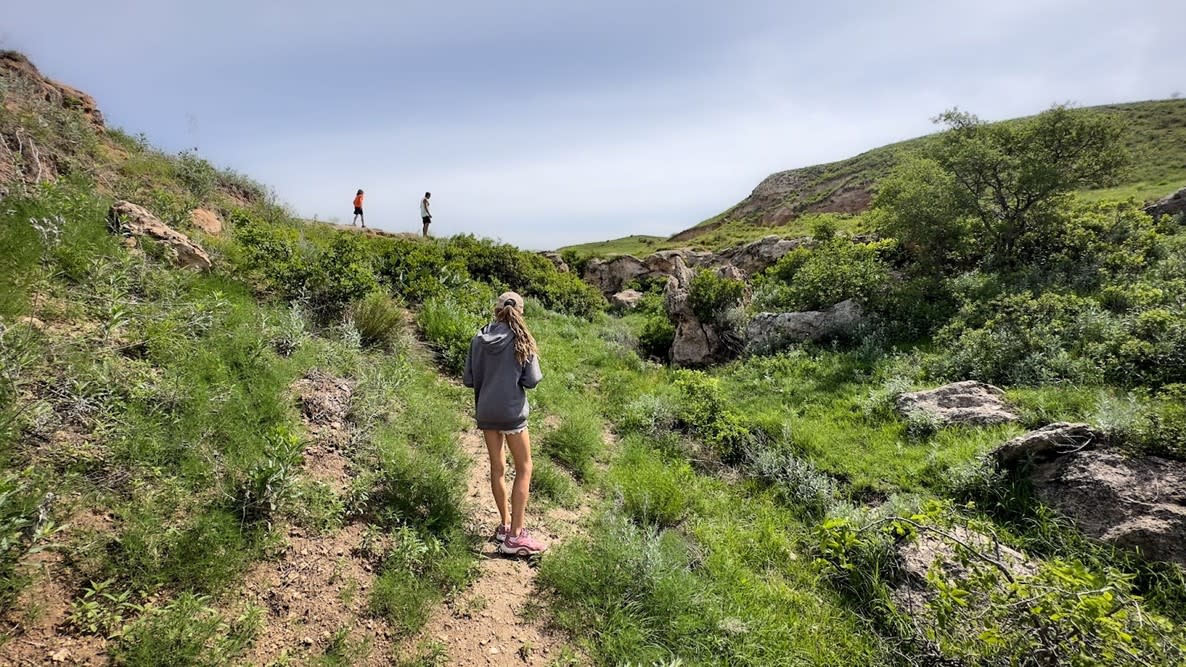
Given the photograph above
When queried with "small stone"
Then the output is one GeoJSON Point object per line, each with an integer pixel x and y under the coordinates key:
{"type": "Point", "coordinates": [307, 641]}
{"type": "Point", "coordinates": [494, 651]}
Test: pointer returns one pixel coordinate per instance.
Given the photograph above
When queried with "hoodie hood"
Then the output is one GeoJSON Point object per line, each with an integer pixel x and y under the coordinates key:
{"type": "Point", "coordinates": [496, 337]}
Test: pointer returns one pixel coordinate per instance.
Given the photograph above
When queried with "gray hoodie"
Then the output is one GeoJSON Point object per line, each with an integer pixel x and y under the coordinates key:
{"type": "Point", "coordinates": [498, 379]}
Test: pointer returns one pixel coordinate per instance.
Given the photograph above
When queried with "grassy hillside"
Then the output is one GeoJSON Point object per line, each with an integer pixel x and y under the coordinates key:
{"type": "Point", "coordinates": [266, 463]}
{"type": "Point", "coordinates": [783, 203]}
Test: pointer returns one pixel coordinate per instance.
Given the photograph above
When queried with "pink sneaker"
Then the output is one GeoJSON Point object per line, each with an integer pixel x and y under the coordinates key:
{"type": "Point", "coordinates": [523, 545]}
{"type": "Point", "coordinates": [500, 533]}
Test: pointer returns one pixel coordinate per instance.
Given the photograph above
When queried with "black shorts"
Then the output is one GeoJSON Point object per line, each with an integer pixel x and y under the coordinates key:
{"type": "Point", "coordinates": [426, 219]}
{"type": "Point", "coordinates": [357, 211]}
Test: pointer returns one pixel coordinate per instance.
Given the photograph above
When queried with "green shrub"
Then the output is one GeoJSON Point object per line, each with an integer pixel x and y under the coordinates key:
{"type": "Point", "coordinates": [186, 631]}
{"type": "Point", "coordinates": [420, 270]}
{"type": "Point", "coordinates": [269, 486]}
{"type": "Point", "coordinates": [817, 278]}
{"type": "Point", "coordinates": [656, 338]}
{"type": "Point", "coordinates": [504, 266]}
{"type": "Point", "coordinates": [704, 413]}
{"type": "Point", "coordinates": [575, 442]}
{"type": "Point", "coordinates": [196, 174]}
{"type": "Point", "coordinates": [378, 319]}
{"type": "Point", "coordinates": [710, 295]}
{"type": "Point", "coordinates": [341, 274]}
{"type": "Point", "coordinates": [448, 326]}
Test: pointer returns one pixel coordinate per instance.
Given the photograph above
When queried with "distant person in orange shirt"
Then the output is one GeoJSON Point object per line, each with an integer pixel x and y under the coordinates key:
{"type": "Point", "coordinates": [358, 216]}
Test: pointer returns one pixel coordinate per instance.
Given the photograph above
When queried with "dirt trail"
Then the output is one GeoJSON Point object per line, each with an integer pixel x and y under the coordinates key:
{"type": "Point", "coordinates": [496, 621]}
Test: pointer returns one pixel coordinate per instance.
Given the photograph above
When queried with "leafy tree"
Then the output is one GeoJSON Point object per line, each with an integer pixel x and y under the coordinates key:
{"type": "Point", "coordinates": [1012, 176]}
{"type": "Point", "coordinates": [918, 204]}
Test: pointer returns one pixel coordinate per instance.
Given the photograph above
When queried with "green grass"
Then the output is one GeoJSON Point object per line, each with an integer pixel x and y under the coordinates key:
{"type": "Point", "coordinates": [160, 399]}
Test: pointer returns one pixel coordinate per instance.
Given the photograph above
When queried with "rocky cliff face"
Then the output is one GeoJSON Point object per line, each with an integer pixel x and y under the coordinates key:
{"type": "Point", "coordinates": [66, 119]}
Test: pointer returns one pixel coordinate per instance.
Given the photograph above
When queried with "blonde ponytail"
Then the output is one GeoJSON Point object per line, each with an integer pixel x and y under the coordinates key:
{"type": "Point", "coordinates": [509, 311]}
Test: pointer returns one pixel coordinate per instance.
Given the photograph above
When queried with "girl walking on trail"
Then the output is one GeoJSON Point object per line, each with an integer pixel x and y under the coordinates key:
{"type": "Point", "coordinates": [503, 363]}
{"type": "Point", "coordinates": [358, 210]}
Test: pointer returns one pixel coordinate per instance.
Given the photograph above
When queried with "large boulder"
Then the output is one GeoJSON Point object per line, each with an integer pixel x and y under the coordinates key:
{"type": "Point", "coordinates": [626, 299]}
{"type": "Point", "coordinates": [947, 550]}
{"type": "Point", "coordinates": [132, 220]}
{"type": "Point", "coordinates": [556, 260]}
{"type": "Point", "coordinates": [755, 257]}
{"type": "Point", "coordinates": [1047, 443]}
{"type": "Point", "coordinates": [696, 343]}
{"type": "Point", "coordinates": [1136, 503]}
{"type": "Point", "coordinates": [769, 332]}
{"type": "Point", "coordinates": [611, 275]}
{"type": "Point", "coordinates": [1169, 205]}
{"type": "Point", "coordinates": [967, 402]}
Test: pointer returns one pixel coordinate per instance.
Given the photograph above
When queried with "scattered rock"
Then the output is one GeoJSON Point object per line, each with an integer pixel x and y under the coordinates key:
{"type": "Point", "coordinates": [770, 332]}
{"type": "Point", "coordinates": [31, 322]}
{"type": "Point", "coordinates": [931, 549]}
{"type": "Point", "coordinates": [1137, 503]}
{"type": "Point", "coordinates": [626, 300]}
{"type": "Point", "coordinates": [132, 220]}
{"type": "Point", "coordinates": [1170, 205]}
{"type": "Point", "coordinates": [757, 256]}
{"type": "Point", "coordinates": [206, 220]}
{"type": "Point", "coordinates": [1047, 443]}
{"type": "Point", "coordinates": [968, 402]}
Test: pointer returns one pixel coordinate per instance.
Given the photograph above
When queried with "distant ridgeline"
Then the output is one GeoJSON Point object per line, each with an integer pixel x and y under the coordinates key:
{"type": "Point", "coordinates": [786, 203]}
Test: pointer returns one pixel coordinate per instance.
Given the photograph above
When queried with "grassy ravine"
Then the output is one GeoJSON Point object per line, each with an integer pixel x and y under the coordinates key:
{"type": "Point", "coordinates": [1156, 139]}
{"type": "Point", "coordinates": [159, 400]}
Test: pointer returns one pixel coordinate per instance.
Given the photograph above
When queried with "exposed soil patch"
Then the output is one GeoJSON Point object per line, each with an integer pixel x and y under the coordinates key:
{"type": "Point", "coordinates": [36, 624]}
{"type": "Point", "coordinates": [496, 621]}
{"type": "Point", "coordinates": [318, 586]}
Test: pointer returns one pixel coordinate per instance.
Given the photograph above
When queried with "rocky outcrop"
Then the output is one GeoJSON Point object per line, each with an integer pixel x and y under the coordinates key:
{"type": "Point", "coordinates": [1047, 443]}
{"type": "Point", "coordinates": [1132, 502]}
{"type": "Point", "coordinates": [696, 343]}
{"type": "Point", "coordinates": [557, 261]}
{"type": "Point", "coordinates": [58, 94]}
{"type": "Point", "coordinates": [626, 299]}
{"type": "Point", "coordinates": [770, 332]}
{"type": "Point", "coordinates": [1135, 503]}
{"type": "Point", "coordinates": [610, 276]}
{"type": "Point", "coordinates": [1171, 205]}
{"type": "Point", "coordinates": [135, 222]}
{"type": "Point", "coordinates": [967, 402]}
{"type": "Point", "coordinates": [757, 256]}
{"type": "Point", "coordinates": [613, 274]}
{"type": "Point", "coordinates": [206, 220]}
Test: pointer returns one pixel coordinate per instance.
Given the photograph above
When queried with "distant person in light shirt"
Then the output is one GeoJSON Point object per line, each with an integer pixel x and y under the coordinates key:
{"type": "Point", "coordinates": [425, 214]}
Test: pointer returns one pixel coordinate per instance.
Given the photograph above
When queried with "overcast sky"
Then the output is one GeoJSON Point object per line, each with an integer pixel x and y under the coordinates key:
{"type": "Point", "coordinates": [551, 122]}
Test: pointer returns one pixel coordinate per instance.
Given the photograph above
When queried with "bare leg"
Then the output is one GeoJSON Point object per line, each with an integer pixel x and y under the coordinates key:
{"type": "Point", "coordinates": [498, 471]}
{"type": "Point", "coordinates": [426, 230]}
{"type": "Point", "coordinates": [520, 446]}
{"type": "Point", "coordinates": [362, 219]}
